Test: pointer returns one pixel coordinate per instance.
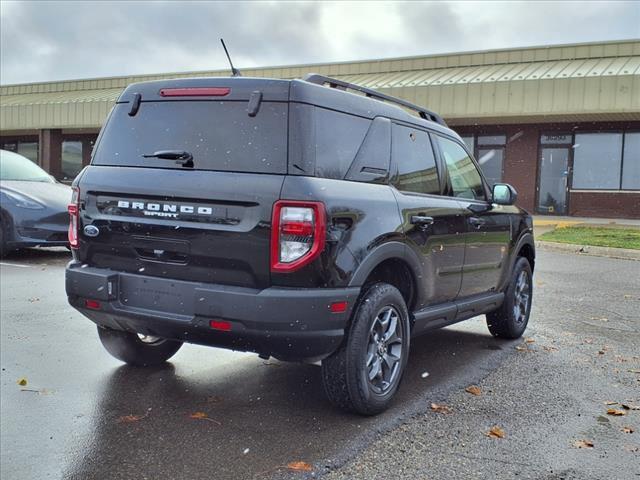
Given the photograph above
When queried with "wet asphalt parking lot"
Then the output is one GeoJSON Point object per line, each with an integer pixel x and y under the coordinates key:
{"type": "Point", "coordinates": [216, 414]}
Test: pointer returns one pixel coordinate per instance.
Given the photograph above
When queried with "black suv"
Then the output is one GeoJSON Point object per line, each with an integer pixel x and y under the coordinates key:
{"type": "Point", "coordinates": [309, 220]}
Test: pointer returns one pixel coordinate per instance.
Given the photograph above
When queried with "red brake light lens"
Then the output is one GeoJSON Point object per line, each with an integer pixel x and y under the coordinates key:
{"type": "Point", "coordinates": [92, 304]}
{"type": "Point", "coordinates": [74, 219]}
{"type": "Point", "coordinates": [195, 92]}
{"type": "Point", "coordinates": [298, 232]}
{"type": "Point", "coordinates": [220, 325]}
{"type": "Point", "coordinates": [338, 307]}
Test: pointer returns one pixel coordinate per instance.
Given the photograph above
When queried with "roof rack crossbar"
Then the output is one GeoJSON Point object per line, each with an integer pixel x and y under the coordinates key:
{"type": "Point", "coordinates": [339, 84]}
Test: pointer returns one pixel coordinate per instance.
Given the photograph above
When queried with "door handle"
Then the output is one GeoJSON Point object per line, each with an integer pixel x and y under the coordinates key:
{"type": "Point", "coordinates": [476, 222]}
{"type": "Point", "coordinates": [421, 220]}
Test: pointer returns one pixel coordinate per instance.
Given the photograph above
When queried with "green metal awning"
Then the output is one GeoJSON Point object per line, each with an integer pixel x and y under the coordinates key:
{"type": "Point", "coordinates": [569, 83]}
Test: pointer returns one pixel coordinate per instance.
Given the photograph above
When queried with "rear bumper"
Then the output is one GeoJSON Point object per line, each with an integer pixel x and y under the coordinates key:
{"type": "Point", "coordinates": [286, 323]}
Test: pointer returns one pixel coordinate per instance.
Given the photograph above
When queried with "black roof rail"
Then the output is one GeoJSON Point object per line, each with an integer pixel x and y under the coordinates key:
{"type": "Point", "coordinates": [339, 84]}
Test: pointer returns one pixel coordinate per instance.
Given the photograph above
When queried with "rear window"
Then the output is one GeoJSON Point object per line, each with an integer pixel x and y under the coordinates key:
{"type": "Point", "coordinates": [219, 135]}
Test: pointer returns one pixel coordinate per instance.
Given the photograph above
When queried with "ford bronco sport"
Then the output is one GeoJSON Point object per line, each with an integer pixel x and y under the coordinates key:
{"type": "Point", "coordinates": [309, 220]}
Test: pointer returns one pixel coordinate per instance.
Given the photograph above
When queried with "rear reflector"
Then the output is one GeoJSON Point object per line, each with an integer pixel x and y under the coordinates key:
{"type": "Point", "coordinates": [338, 307]}
{"type": "Point", "coordinates": [220, 325]}
{"type": "Point", "coordinates": [195, 92]}
{"type": "Point", "coordinates": [92, 304]}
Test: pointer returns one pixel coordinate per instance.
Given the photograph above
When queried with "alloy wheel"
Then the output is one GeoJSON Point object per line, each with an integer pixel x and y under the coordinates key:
{"type": "Point", "coordinates": [384, 350]}
{"type": "Point", "coordinates": [522, 297]}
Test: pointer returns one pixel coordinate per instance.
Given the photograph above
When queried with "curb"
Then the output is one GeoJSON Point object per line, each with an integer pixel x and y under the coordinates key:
{"type": "Point", "coordinates": [622, 253]}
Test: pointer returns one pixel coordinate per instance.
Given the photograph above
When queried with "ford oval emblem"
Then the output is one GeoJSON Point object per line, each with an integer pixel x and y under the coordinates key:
{"type": "Point", "coordinates": [91, 231]}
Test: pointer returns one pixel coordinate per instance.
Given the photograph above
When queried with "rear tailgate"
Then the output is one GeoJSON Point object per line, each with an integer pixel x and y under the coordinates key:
{"type": "Point", "coordinates": [209, 222]}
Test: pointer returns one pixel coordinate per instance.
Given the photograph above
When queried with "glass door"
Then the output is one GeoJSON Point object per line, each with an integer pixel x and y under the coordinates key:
{"type": "Point", "coordinates": [552, 181]}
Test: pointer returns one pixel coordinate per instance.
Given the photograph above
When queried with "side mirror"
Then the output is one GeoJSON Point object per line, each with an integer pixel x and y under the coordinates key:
{"type": "Point", "coordinates": [504, 194]}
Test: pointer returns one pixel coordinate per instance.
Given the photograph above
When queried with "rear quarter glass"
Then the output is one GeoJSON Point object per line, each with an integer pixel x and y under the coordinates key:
{"type": "Point", "coordinates": [219, 134]}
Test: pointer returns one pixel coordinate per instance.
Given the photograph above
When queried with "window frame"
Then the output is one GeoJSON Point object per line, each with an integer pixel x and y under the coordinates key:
{"type": "Point", "coordinates": [394, 171]}
{"type": "Point", "coordinates": [449, 188]}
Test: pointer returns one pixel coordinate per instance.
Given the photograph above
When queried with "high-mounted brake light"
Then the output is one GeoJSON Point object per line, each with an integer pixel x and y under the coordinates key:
{"type": "Point", "coordinates": [74, 220]}
{"type": "Point", "coordinates": [195, 92]}
{"type": "Point", "coordinates": [298, 232]}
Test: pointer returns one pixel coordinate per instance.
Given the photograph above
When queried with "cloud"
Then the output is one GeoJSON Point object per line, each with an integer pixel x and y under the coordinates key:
{"type": "Point", "coordinates": [49, 40]}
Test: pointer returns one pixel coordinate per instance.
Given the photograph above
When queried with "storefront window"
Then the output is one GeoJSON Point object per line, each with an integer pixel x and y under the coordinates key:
{"type": "Point", "coordinates": [631, 161]}
{"type": "Point", "coordinates": [469, 141]}
{"type": "Point", "coordinates": [488, 150]}
{"type": "Point", "coordinates": [29, 150]}
{"type": "Point", "coordinates": [597, 161]}
{"type": "Point", "coordinates": [490, 161]}
{"type": "Point", "coordinates": [492, 139]}
{"type": "Point", "coordinates": [26, 149]}
{"type": "Point", "coordinates": [71, 159]}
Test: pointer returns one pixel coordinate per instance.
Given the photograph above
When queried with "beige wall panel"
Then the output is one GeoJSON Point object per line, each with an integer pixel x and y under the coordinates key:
{"type": "Point", "coordinates": [623, 88]}
{"type": "Point", "coordinates": [460, 93]}
{"type": "Point", "coordinates": [576, 94]}
{"type": "Point", "coordinates": [516, 96]}
{"type": "Point", "coordinates": [545, 96]}
{"type": "Point", "coordinates": [591, 94]}
{"type": "Point", "coordinates": [446, 99]}
{"type": "Point", "coordinates": [501, 98]}
{"type": "Point", "coordinates": [473, 97]}
{"type": "Point", "coordinates": [560, 95]}
{"type": "Point", "coordinates": [530, 103]}
{"type": "Point", "coordinates": [635, 93]}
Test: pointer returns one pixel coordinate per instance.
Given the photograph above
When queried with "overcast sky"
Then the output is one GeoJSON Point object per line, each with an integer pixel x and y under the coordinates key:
{"type": "Point", "coordinates": [50, 40]}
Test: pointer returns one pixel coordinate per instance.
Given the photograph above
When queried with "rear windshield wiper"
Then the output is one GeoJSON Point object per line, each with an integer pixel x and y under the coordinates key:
{"type": "Point", "coordinates": [180, 156]}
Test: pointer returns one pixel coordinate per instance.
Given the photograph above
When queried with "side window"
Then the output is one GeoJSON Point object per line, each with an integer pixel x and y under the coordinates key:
{"type": "Point", "coordinates": [412, 153]}
{"type": "Point", "coordinates": [463, 174]}
{"type": "Point", "coordinates": [338, 138]}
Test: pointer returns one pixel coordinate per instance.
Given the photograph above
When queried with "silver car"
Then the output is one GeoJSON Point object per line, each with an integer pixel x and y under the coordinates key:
{"type": "Point", "coordinates": [33, 205]}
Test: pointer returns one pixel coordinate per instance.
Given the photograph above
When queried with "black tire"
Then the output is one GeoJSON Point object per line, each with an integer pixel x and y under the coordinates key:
{"type": "Point", "coordinates": [133, 350]}
{"type": "Point", "coordinates": [4, 248]}
{"type": "Point", "coordinates": [511, 319]}
{"type": "Point", "coordinates": [346, 373]}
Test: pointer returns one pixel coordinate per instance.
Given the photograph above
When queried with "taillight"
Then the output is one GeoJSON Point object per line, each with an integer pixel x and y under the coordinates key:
{"type": "Point", "coordinates": [74, 213]}
{"type": "Point", "coordinates": [297, 234]}
{"type": "Point", "coordinates": [195, 92]}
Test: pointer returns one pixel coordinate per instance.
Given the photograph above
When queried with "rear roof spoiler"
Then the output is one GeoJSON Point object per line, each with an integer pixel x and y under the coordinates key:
{"type": "Point", "coordinates": [341, 85]}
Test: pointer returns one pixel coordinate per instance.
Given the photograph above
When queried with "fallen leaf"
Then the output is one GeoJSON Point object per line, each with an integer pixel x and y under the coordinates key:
{"type": "Point", "coordinates": [616, 412]}
{"type": "Point", "coordinates": [22, 382]}
{"type": "Point", "coordinates": [299, 466]}
{"type": "Point", "coordinates": [549, 349]}
{"type": "Point", "coordinates": [608, 402]}
{"type": "Point", "coordinates": [440, 408]}
{"type": "Point", "coordinates": [522, 348]}
{"type": "Point", "coordinates": [203, 416]}
{"type": "Point", "coordinates": [628, 406]}
{"type": "Point", "coordinates": [495, 432]}
{"type": "Point", "coordinates": [627, 430]}
{"type": "Point", "coordinates": [529, 340]}
{"type": "Point", "coordinates": [583, 444]}
{"type": "Point", "coordinates": [131, 418]}
{"type": "Point", "coordinates": [473, 390]}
